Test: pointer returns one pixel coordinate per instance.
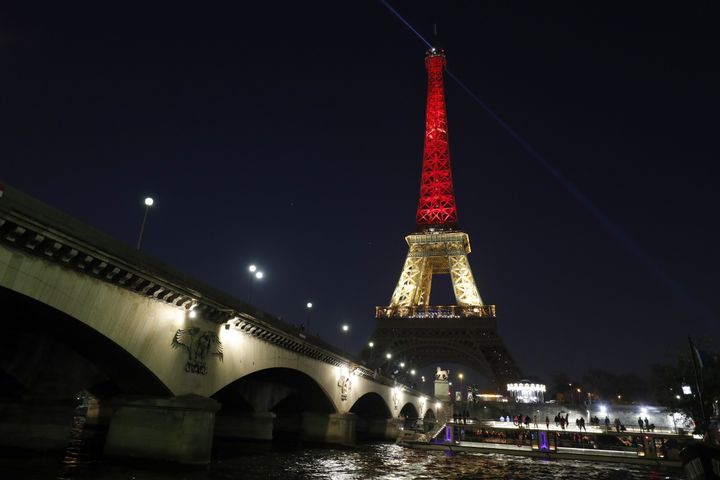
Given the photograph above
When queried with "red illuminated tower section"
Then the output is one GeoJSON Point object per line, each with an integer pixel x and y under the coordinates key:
{"type": "Point", "coordinates": [436, 207]}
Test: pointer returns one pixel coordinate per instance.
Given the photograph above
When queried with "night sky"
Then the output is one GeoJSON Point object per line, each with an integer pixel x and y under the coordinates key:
{"type": "Point", "coordinates": [290, 136]}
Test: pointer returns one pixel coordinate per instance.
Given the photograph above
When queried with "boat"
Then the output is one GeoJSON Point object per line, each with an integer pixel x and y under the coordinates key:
{"type": "Point", "coordinates": [596, 444]}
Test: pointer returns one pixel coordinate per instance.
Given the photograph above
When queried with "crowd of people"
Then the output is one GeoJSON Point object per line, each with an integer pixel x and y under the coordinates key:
{"type": "Point", "coordinates": [563, 422]}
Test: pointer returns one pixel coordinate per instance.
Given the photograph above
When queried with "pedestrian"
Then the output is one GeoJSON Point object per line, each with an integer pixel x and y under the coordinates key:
{"type": "Point", "coordinates": [607, 423]}
{"type": "Point", "coordinates": [535, 421]}
{"type": "Point", "coordinates": [641, 424]}
{"type": "Point", "coordinates": [547, 422]}
{"type": "Point", "coordinates": [582, 424]}
{"type": "Point", "coordinates": [617, 424]}
{"type": "Point", "coordinates": [647, 424]}
{"type": "Point", "coordinates": [527, 421]}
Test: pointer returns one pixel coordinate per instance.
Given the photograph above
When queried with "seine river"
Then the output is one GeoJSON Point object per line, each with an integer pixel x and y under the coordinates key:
{"type": "Point", "coordinates": [369, 461]}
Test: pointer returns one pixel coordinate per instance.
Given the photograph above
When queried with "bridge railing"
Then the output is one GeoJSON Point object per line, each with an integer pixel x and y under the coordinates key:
{"type": "Point", "coordinates": [425, 311]}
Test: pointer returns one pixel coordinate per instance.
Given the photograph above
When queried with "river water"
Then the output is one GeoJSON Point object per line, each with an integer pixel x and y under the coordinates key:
{"type": "Point", "coordinates": [367, 461]}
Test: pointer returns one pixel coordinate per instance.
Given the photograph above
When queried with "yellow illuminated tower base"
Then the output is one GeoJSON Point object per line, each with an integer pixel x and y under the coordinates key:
{"type": "Point", "coordinates": [419, 334]}
{"type": "Point", "coordinates": [430, 254]}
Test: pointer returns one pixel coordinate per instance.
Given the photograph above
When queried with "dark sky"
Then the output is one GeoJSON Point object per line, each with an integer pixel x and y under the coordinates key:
{"type": "Point", "coordinates": [290, 135]}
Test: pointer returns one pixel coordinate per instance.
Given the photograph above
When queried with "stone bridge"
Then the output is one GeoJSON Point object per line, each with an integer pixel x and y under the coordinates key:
{"type": "Point", "coordinates": [162, 361]}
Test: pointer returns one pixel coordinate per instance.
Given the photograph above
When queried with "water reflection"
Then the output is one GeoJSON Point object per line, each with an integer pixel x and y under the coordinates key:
{"type": "Point", "coordinates": [377, 461]}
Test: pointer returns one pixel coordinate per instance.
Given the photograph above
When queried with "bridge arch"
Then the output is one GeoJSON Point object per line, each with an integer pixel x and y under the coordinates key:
{"type": "Point", "coordinates": [409, 411]}
{"type": "Point", "coordinates": [277, 390]}
{"type": "Point", "coordinates": [53, 354]}
{"type": "Point", "coordinates": [371, 405]}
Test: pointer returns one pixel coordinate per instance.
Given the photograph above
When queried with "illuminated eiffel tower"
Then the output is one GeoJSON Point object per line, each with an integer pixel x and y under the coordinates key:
{"type": "Point", "coordinates": [410, 328]}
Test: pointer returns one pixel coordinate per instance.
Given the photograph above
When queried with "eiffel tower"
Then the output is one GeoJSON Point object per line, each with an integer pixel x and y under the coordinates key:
{"type": "Point", "coordinates": [410, 328]}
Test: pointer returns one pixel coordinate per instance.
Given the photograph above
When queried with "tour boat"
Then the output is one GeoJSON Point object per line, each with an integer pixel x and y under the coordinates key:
{"type": "Point", "coordinates": [597, 444]}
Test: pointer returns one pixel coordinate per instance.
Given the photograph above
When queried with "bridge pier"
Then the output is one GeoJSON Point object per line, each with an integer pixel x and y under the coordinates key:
{"type": "Point", "coordinates": [333, 428]}
{"type": "Point", "coordinates": [382, 428]}
{"type": "Point", "coordinates": [248, 426]}
{"type": "Point", "coordinates": [178, 429]}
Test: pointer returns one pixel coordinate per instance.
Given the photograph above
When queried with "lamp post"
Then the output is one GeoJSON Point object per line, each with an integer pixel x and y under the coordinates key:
{"type": "Point", "coordinates": [345, 328]}
{"type": "Point", "coordinates": [254, 274]}
{"type": "Point", "coordinates": [148, 203]}
{"type": "Point", "coordinates": [371, 345]}
{"type": "Point", "coordinates": [309, 307]}
{"type": "Point", "coordinates": [252, 268]}
{"type": "Point", "coordinates": [462, 385]}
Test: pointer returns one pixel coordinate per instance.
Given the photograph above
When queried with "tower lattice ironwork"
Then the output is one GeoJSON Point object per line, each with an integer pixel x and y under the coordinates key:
{"type": "Point", "coordinates": [410, 328]}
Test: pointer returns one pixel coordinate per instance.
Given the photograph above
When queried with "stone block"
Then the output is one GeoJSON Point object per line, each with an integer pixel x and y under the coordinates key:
{"type": "Point", "coordinates": [178, 429]}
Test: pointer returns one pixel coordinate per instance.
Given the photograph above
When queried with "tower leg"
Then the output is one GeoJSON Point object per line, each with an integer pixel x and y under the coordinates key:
{"type": "Point", "coordinates": [406, 291]}
{"type": "Point", "coordinates": [466, 293]}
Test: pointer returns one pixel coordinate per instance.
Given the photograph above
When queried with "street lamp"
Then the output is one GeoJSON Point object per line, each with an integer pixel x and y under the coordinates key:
{"type": "Point", "coordinates": [462, 385]}
{"type": "Point", "coordinates": [254, 274]}
{"type": "Point", "coordinates": [148, 203]}
{"type": "Point", "coordinates": [388, 356]}
{"type": "Point", "coordinates": [345, 328]}
{"type": "Point", "coordinates": [309, 307]}
{"type": "Point", "coordinates": [371, 345]}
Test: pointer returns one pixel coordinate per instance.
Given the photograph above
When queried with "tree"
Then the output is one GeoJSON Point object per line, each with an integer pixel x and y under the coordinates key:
{"type": "Point", "coordinates": [666, 382]}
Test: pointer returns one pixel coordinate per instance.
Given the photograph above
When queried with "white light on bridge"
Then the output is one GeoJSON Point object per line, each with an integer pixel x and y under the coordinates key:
{"type": "Point", "coordinates": [345, 327]}
{"type": "Point", "coordinates": [437, 405]}
{"type": "Point", "coordinates": [309, 305]}
{"type": "Point", "coordinates": [388, 356]}
{"type": "Point", "coordinates": [412, 372]}
{"type": "Point", "coordinates": [371, 344]}
{"type": "Point", "coordinates": [252, 268]}
{"type": "Point", "coordinates": [192, 314]}
{"type": "Point", "coordinates": [258, 275]}
{"type": "Point", "coordinates": [402, 364]}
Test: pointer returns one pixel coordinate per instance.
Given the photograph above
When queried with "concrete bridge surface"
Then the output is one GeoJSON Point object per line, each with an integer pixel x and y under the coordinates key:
{"type": "Point", "coordinates": [162, 361]}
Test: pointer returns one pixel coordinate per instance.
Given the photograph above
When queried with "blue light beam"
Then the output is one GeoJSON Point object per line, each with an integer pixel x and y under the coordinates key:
{"type": "Point", "coordinates": [407, 24]}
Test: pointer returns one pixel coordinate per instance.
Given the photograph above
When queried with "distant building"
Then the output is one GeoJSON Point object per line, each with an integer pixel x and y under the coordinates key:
{"type": "Point", "coordinates": [526, 392]}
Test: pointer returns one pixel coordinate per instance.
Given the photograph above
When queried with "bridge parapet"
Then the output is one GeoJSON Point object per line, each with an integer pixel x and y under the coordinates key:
{"type": "Point", "coordinates": [28, 225]}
